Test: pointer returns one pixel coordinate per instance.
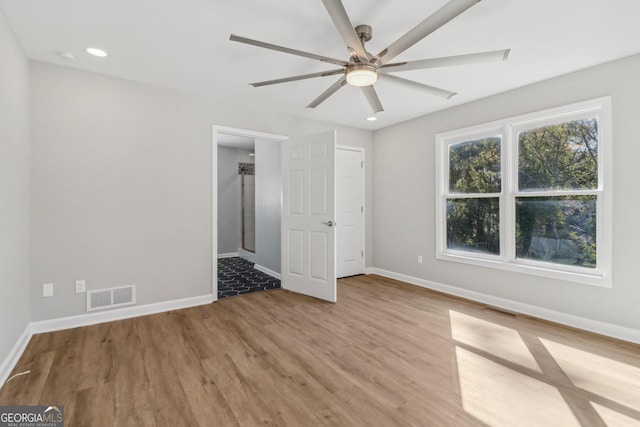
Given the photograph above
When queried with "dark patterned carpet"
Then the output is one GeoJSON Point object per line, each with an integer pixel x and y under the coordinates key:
{"type": "Point", "coordinates": [237, 276]}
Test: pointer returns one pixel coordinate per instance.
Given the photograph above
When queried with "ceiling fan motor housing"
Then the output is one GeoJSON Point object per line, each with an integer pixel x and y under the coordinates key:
{"type": "Point", "coordinates": [362, 73]}
{"type": "Point", "coordinates": [364, 32]}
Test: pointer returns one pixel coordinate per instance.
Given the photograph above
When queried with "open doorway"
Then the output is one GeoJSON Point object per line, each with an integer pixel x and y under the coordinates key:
{"type": "Point", "coordinates": [271, 205]}
{"type": "Point", "coordinates": [247, 191]}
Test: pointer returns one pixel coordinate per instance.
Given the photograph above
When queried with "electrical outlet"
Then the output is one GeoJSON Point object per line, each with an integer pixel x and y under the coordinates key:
{"type": "Point", "coordinates": [419, 259]}
{"type": "Point", "coordinates": [81, 286]}
{"type": "Point", "coordinates": [47, 290]}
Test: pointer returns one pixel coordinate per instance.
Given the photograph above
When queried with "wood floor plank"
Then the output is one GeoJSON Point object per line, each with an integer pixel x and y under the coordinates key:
{"type": "Point", "coordinates": [94, 406]}
{"type": "Point", "coordinates": [245, 402]}
{"type": "Point", "coordinates": [387, 354]}
{"type": "Point", "coordinates": [26, 389]}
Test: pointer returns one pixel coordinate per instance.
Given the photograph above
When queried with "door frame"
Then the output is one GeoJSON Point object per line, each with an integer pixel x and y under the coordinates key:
{"type": "Point", "coordinates": [364, 199]}
{"type": "Point", "coordinates": [215, 130]}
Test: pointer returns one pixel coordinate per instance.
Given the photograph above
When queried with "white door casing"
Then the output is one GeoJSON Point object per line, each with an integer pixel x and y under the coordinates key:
{"type": "Point", "coordinates": [350, 211]}
{"type": "Point", "coordinates": [308, 215]}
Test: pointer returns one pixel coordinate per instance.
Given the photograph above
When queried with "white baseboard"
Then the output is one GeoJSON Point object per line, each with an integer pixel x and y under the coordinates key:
{"type": "Point", "coordinates": [12, 358]}
{"type": "Point", "coordinates": [603, 328]}
{"type": "Point", "coordinates": [93, 318]}
{"type": "Point", "coordinates": [229, 255]}
{"type": "Point", "coordinates": [267, 271]}
{"type": "Point", "coordinates": [249, 256]}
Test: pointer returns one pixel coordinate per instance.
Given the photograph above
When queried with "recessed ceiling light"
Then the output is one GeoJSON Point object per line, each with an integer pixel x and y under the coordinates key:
{"type": "Point", "coordinates": [252, 154]}
{"type": "Point", "coordinates": [372, 118]}
{"type": "Point", "coordinates": [96, 52]}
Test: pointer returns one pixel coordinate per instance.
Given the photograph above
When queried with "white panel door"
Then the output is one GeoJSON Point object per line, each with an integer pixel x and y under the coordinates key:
{"type": "Point", "coordinates": [308, 215]}
{"type": "Point", "coordinates": [350, 211]}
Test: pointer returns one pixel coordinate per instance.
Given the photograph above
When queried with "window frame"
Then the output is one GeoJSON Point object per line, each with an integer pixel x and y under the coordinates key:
{"type": "Point", "coordinates": [508, 129]}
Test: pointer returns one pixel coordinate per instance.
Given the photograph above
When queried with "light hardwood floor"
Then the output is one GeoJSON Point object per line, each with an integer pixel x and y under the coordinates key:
{"type": "Point", "coordinates": [386, 354]}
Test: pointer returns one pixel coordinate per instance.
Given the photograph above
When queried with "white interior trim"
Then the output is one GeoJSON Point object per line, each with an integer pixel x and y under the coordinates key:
{"type": "Point", "coordinates": [247, 255]}
{"type": "Point", "coordinates": [229, 255]}
{"type": "Point", "coordinates": [94, 318]}
{"type": "Point", "coordinates": [88, 319]}
{"type": "Point", "coordinates": [14, 355]}
{"type": "Point", "coordinates": [603, 328]}
{"type": "Point", "coordinates": [268, 271]}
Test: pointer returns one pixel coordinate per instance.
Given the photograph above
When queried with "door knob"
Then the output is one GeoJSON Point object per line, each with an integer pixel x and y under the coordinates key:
{"type": "Point", "coordinates": [329, 223]}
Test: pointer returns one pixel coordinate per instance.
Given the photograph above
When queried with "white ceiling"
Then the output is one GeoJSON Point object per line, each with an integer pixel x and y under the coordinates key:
{"type": "Point", "coordinates": [184, 45]}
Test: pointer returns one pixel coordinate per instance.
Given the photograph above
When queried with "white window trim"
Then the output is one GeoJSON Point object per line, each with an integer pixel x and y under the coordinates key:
{"type": "Point", "coordinates": [508, 129]}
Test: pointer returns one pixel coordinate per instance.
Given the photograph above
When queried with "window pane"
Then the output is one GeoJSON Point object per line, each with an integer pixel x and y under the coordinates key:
{"type": "Point", "coordinates": [563, 156]}
{"type": "Point", "coordinates": [473, 225]}
{"type": "Point", "coordinates": [474, 166]}
{"type": "Point", "coordinates": [561, 230]}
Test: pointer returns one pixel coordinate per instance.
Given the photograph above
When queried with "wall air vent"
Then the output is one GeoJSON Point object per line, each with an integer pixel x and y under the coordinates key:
{"type": "Point", "coordinates": [110, 298]}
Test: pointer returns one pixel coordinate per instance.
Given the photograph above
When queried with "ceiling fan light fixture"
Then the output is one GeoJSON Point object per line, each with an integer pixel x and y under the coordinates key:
{"type": "Point", "coordinates": [362, 75]}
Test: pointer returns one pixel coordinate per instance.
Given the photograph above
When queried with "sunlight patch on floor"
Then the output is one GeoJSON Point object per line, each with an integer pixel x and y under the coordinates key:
{"type": "Point", "coordinates": [613, 418]}
{"type": "Point", "coordinates": [608, 378]}
{"type": "Point", "coordinates": [500, 396]}
{"type": "Point", "coordinates": [498, 340]}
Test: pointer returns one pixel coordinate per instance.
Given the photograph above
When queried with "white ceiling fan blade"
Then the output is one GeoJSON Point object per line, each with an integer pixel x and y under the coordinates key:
{"type": "Point", "coordinates": [327, 93]}
{"type": "Point", "coordinates": [447, 61]}
{"type": "Point", "coordinates": [300, 77]}
{"type": "Point", "coordinates": [440, 17]}
{"type": "Point", "coordinates": [372, 98]}
{"type": "Point", "coordinates": [345, 27]}
{"type": "Point", "coordinates": [258, 43]}
{"type": "Point", "coordinates": [430, 89]}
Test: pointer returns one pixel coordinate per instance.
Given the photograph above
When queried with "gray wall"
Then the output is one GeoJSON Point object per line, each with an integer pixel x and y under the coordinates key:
{"type": "Point", "coordinates": [14, 190]}
{"type": "Point", "coordinates": [404, 223]}
{"type": "Point", "coordinates": [268, 204]}
{"type": "Point", "coordinates": [121, 184]}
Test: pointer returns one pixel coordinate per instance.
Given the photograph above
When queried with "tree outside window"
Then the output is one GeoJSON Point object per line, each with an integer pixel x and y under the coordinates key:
{"type": "Point", "coordinates": [527, 193]}
{"type": "Point", "coordinates": [562, 157]}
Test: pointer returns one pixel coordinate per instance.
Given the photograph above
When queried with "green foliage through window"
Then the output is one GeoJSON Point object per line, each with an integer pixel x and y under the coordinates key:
{"type": "Point", "coordinates": [474, 166]}
{"type": "Point", "coordinates": [474, 225]}
{"type": "Point", "coordinates": [563, 156]}
{"type": "Point", "coordinates": [561, 230]}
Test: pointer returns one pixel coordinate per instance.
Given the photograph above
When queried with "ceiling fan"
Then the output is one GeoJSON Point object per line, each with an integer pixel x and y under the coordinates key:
{"type": "Point", "coordinates": [363, 69]}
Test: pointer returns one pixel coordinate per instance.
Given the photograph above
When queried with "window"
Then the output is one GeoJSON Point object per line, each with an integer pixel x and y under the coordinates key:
{"type": "Point", "coordinates": [529, 194]}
